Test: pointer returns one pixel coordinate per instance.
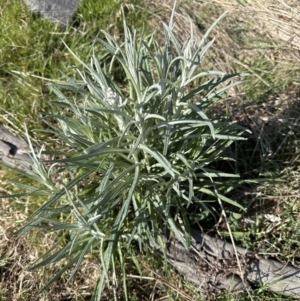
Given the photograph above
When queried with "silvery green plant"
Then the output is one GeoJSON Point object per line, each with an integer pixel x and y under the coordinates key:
{"type": "Point", "coordinates": [137, 154]}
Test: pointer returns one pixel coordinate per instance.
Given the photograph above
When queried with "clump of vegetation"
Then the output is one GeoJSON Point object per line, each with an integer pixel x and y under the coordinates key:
{"type": "Point", "coordinates": [260, 39]}
{"type": "Point", "coordinates": [137, 154]}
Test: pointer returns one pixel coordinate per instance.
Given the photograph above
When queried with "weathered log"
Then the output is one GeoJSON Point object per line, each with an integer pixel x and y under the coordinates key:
{"type": "Point", "coordinates": [13, 149]}
{"type": "Point", "coordinates": [211, 264]}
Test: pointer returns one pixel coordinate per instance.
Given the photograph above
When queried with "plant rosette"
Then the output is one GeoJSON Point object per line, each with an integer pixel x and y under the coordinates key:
{"type": "Point", "coordinates": [139, 152]}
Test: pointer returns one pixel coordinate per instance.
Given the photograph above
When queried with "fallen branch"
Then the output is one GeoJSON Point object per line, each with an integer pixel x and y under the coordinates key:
{"type": "Point", "coordinates": [13, 149]}
{"type": "Point", "coordinates": [212, 266]}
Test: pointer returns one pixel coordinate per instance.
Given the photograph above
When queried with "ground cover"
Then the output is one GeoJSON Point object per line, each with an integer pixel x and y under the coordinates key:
{"type": "Point", "coordinates": [32, 53]}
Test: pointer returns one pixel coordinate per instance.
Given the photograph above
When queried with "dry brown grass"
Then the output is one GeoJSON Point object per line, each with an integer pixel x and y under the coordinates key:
{"type": "Point", "coordinates": [279, 19]}
{"type": "Point", "coordinates": [248, 28]}
{"type": "Point", "coordinates": [19, 254]}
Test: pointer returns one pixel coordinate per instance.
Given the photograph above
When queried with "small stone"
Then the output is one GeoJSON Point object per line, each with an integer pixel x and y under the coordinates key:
{"type": "Point", "coordinates": [56, 10]}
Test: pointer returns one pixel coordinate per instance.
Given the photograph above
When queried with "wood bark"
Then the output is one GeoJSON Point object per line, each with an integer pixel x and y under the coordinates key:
{"type": "Point", "coordinates": [212, 265]}
{"type": "Point", "coordinates": [13, 149]}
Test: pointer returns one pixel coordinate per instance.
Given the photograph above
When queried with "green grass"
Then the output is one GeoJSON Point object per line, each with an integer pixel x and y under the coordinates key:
{"type": "Point", "coordinates": [32, 54]}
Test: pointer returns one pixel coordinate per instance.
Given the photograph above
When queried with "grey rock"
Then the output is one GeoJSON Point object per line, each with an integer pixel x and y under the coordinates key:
{"type": "Point", "coordinates": [56, 10]}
